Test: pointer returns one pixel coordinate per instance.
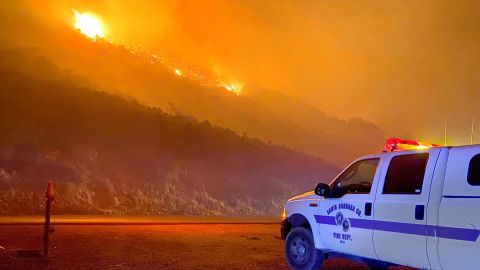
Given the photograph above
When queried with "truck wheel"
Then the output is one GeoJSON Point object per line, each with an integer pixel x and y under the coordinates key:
{"type": "Point", "coordinates": [300, 251]}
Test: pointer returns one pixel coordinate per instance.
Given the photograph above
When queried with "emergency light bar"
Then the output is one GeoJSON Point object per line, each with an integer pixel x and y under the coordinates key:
{"type": "Point", "coordinates": [396, 144]}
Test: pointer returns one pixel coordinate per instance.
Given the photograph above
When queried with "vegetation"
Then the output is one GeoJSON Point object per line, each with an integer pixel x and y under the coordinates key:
{"type": "Point", "coordinates": [112, 155]}
{"type": "Point", "coordinates": [258, 112]}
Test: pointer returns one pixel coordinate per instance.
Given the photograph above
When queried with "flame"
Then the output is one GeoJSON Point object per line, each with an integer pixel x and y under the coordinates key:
{"type": "Point", "coordinates": [88, 24]}
{"type": "Point", "coordinates": [234, 88]}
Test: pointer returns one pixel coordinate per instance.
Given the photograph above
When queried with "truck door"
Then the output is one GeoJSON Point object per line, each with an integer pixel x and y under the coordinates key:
{"type": "Point", "coordinates": [459, 220]}
{"type": "Point", "coordinates": [353, 193]}
{"type": "Point", "coordinates": [400, 225]}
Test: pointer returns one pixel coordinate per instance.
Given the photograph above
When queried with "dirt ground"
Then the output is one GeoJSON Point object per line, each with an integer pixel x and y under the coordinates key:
{"type": "Point", "coordinates": [192, 246]}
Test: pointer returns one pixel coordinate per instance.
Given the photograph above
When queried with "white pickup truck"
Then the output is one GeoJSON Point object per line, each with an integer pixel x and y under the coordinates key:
{"type": "Point", "coordinates": [418, 208]}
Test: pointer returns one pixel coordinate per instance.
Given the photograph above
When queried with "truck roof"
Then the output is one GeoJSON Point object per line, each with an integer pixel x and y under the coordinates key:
{"type": "Point", "coordinates": [416, 150]}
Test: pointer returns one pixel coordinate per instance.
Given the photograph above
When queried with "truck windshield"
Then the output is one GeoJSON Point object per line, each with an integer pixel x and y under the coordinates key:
{"type": "Point", "coordinates": [357, 178]}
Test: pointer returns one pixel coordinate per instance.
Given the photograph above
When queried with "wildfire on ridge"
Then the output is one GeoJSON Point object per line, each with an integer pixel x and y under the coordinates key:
{"type": "Point", "coordinates": [92, 27]}
{"type": "Point", "coordinates": [234, 88]}
{"type": "Point", "coordinates": [88, 24]}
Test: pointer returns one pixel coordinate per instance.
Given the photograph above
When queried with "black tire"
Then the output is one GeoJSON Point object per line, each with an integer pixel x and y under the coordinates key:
{"type": "Point", "coordinates": [300, 251]}
{"type": "Point", "coordinates": [377, 265]}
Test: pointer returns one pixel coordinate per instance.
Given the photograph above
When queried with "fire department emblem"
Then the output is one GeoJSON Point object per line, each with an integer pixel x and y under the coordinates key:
{"type": "Point", "coordinates": [346, 225]}
{"type": "Point", "coordinates": [339, 218]}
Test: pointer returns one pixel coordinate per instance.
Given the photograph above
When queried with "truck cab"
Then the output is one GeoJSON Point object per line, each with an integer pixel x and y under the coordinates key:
{"type": "Point", "coordinates": [415, 204]}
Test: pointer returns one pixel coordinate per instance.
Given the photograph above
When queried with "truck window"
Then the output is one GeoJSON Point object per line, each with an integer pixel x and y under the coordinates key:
{"type": "Point", "coordinates": [474, 171]}
{"type": "Point", "coordinates": [405, 174]}
{"type": "Point", "coordinates": [357, 178]}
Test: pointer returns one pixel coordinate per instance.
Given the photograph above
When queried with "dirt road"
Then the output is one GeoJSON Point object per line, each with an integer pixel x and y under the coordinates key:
{"type": "Point", "coordinates": [192, 246]}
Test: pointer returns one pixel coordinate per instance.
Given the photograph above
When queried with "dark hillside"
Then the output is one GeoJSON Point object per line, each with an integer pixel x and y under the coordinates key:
{"type": "Point", "coordinates": [112, 155]}
{"type": "Point", "coordinates": [149, 78]}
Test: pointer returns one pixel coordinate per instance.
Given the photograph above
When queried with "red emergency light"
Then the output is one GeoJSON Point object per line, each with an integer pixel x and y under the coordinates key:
{"type": "Point", "coordinates": [396, 144]}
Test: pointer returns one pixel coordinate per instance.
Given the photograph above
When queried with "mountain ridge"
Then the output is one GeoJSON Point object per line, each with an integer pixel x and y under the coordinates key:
{"type": "Point", "coordinates": [114, 156]}
{"type": "Point", "coordinates": [261, 113]}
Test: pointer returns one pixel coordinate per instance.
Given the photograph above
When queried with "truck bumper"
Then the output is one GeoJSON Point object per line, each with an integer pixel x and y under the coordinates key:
{"type": "Point", "coordinates": [283, 228]}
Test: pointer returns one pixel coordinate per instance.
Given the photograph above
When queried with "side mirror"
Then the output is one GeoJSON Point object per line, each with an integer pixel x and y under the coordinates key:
{"type": "Point", "coordinates": [322, 189]}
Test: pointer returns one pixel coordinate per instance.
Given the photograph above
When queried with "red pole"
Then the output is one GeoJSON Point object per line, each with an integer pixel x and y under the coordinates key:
{"type": "Point", "coordinates": [50, 196]}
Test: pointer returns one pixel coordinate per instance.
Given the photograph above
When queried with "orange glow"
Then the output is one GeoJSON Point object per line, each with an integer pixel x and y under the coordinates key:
{"type": "Point", "coordinates": [234, 88]}
{"type": "Point", "coordinates": [88, 24]}
{"type": "Point", "coordinates": [178, 72]}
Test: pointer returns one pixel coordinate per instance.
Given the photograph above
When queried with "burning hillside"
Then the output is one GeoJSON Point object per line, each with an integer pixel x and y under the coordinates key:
{"type": "Point", "coordinates": [92, 27]}
{"type": "Point", "coordinates": [111, 155]}
{"type": "Point", "coordinates": [174, 149]}
{"type": "Point", "coordinates": [163, 80]}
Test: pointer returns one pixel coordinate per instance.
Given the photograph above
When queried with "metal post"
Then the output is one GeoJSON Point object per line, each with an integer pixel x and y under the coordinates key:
{"type": "Point", "coordinates": [473, 129]}
{"type": "Point", "coordinates": [445, 135]}
{"type": "Point", "coordinates": [50, 196]}
{"type": "Point", "coordinates": [46, 233]}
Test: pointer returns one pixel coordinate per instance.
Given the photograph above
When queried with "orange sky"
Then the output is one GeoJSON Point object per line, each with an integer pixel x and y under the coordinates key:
{"type": "Point", "coordinates": [401, 64]}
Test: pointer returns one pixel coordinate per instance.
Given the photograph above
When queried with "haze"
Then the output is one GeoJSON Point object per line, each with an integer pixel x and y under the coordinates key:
{"type": "Point", "coordinates": [401, 64]}
{"type": "Point", "coordinates": [404, 65]}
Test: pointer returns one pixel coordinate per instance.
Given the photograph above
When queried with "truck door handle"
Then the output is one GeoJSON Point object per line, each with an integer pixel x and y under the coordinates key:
{"type": "Point", "coordinates": [368, 209]}
{"type": "Point", "coordinates": [419, 212]}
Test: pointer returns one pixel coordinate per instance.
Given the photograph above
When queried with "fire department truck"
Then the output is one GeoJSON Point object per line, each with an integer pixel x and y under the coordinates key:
{"type": "Point", "coordinates": [415, 204]}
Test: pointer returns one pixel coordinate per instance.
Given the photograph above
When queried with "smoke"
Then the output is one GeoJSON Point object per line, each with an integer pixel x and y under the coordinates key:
{"type": "Point", "coordinates": [402, 64]}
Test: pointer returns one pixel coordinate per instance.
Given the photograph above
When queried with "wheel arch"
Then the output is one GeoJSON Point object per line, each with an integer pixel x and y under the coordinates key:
{"type": "Point", "coordinates": [300, 220]}
{"type": "Point", "coordinates": [293, 221]}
